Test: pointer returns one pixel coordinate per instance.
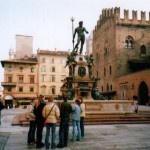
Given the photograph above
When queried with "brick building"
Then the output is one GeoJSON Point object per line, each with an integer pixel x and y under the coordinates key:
{"type": "Point", "coordinates": [121, 50]}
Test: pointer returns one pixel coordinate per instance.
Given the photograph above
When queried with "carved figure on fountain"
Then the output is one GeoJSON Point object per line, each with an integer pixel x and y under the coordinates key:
{"type": "Point", "coordinates": [95, 91]}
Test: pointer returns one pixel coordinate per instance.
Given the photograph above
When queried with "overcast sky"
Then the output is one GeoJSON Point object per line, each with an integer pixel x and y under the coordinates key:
{"type": "Point", "coordinates": [48, 21]}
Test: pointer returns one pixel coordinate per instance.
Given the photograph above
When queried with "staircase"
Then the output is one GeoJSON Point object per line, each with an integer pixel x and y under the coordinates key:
{"type": "Point", "coordinates": [97, 119]}
{"type": "Point", "coordinates": [94, 117]}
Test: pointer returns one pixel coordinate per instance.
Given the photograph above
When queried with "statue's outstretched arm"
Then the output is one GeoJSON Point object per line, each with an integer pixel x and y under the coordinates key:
{"type": "Point", "coordinates": [86, 30]}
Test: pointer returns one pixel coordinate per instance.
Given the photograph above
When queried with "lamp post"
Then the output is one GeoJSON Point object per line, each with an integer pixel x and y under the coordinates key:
{"type": "Point", "coordinates": [72, 20]}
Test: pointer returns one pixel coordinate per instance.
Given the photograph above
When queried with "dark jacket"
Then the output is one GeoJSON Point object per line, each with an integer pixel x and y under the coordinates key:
{"type": "Point", "coordinates": [1, 106]}
{"type": "Point", "coordinates": [65, 110]}
{"type": "Point", "coordinates": [38, 113]}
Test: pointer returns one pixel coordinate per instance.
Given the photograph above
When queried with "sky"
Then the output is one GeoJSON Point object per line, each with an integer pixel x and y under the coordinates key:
{"type": "Point", "coordinates": [49, 21]}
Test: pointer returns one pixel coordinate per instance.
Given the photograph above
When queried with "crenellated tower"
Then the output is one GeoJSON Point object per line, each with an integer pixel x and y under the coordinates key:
{"type": "Point", "coordinates": [117, 41]}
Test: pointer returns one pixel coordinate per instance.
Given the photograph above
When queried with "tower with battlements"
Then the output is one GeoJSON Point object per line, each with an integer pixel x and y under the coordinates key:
{"type": "Point", "coordinates": [121, 47]}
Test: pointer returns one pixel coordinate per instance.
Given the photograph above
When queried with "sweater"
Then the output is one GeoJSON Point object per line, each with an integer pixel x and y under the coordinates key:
{"type": "Point", "coordinates": [54, 114]}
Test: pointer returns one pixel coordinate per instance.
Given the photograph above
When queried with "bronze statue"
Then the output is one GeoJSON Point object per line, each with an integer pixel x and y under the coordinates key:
{"type": "Point", "coordinates": [81, 37]}
{"type": "Point", "coordinates": [90, 61]}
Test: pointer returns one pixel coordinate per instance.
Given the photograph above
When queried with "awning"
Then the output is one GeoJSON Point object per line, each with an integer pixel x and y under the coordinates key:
{"type": "Point", "coordinates": [8, 97]}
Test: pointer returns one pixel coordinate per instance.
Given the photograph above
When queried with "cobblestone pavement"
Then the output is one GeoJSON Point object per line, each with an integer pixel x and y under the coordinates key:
{"type": "Point", "coordinates": [98, 137]}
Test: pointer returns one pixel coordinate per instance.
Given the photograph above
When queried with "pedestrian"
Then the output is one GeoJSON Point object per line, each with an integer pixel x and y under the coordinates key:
{"type": "Point", "coordinates": [65, 111]}
{"type": "Point", "coordinates": [51, 113]}
{"type": "Point", "coordinates": [39, 119]}
{"type": "Point", "coordinates": [30, 115]}
{"type": "Point", "coordinates": [135, 103]}
{"type": "Point", "coordinates": [76, 121]}
{"type": "Point", "coordinates": [1, 107]}
{"type": "Point", "coordinates": [82, 116]}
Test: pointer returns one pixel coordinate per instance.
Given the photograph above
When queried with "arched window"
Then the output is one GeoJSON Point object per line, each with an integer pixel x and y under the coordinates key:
{"type": "Point", "coordinates": [110, 70]}
{"type": "Point", "coordinates": [102, 88]}
{"type": "Point", "coordinates": [97, 74]}
{"type": "Point", "coordinates": [129, 42]}
{"type": "Point", "coordinates": [104, 71]}
{"type": "Point", "coordinates": [106, 47]}
{"type": "Point", "coordinates": [107, 87]}
{"type": "Point", "coordinates": [143, 50]}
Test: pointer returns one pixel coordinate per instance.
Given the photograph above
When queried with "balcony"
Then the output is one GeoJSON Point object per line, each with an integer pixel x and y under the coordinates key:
{"type": "Point", "coordinates": [8, 83]}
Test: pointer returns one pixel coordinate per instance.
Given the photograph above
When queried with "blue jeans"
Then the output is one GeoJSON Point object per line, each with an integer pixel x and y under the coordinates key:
{"type": "Point", "coordinates": [53, 131]}
{"type": "Point", "coordinates": [82, 126]}
{"type": "Point", "coordinates": [76, 123]}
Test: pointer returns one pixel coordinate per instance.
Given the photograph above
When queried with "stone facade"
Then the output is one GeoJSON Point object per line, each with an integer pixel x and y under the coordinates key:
{"type": "Point", "coordinates": [51, 71]}
{"type": "Point", "coordinates": [120, 47]}
{"type": "Point", "coordinates": [20, 78]}
{"type": "Point", "coordinates": [28, 77]}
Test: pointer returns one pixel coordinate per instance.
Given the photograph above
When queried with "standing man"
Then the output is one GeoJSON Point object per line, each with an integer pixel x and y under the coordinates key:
{"type": "Point", "coordinates": [65, 111]}
{"type": "Point", "coordinates": [81, 37]}
{"type": "Point", "coordinates": [30, 115]}
{"type": "Point", "coordinates": [51, 114]}
{"type": "Point", "coordinates": [39, 119]}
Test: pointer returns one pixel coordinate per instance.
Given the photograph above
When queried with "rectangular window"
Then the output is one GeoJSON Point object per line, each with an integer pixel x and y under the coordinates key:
{"type": "Point", "coordinates": [9, 79]}
{"type": "Point", "coordinates": [43, 78]}
{"type": "Point", "coordinates": [20, 89]}
{"type": "Point", "coordinates": [53, 78]}
{"type": "Point", "coordinates": [53, 90]}
{"type": "Point", "coordinates": [43, 69]}
{"type": "Point", "coordinates": [44, 60]}
{"type": "Point", "coordinates": [31, 89]}
{"type": "Point", "coordinates": [52, 60]}
{"type": "Point", "coordinates": [31, 79]}
{"type": "Point", "coordinates": [53, 69]}
{"type": "Point", "coordinates": [9, 89]}
{"type": "Point", "coordinates": [20, 79]}
{"type": "Point", "coordinates": [9, 68]}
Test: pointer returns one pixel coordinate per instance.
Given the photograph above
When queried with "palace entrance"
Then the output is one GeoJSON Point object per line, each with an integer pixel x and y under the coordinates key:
{"type": "Point", "coordinates": [143, 97]}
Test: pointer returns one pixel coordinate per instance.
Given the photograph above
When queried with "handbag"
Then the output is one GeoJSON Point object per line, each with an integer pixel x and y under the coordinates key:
{"type": "Point", "coordinates": [48, 115]}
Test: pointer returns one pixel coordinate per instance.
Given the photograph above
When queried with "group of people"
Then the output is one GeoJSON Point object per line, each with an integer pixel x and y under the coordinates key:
{"type": "Point", "coordinates": [41, 113]}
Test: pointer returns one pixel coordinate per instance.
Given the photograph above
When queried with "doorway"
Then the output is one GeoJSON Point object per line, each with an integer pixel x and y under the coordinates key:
{"type": "Point", "coordinates": [143, 97]}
